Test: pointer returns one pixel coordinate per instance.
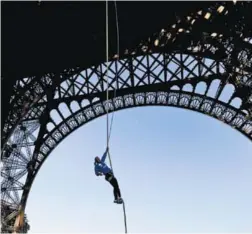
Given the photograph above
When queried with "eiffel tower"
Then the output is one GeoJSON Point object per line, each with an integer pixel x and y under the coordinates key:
{"type": "Point", "coordinates": [192, 55]}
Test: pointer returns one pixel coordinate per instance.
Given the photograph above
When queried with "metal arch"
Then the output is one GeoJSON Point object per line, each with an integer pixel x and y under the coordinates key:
{"type": "Point", "coordinates": [142, 76]}
{"type": "Point", "coordinates": [229, 45]}
{"type": "Point", "coordinates": [154, 79]}
{"type": "Point", "coordinates": [195, 102]}
{"type": "Point", "coordinates": [185, 100]}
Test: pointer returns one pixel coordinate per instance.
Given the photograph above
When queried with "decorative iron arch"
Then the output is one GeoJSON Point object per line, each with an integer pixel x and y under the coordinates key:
{"type": "Point", "coordinates": [186, 100]}
{"type": "Point", "coordinates": [178, 66]}
{"type": "Point", "coordinates": [194, 34]}
{"type": "Point", "coordinates": [175, 79]}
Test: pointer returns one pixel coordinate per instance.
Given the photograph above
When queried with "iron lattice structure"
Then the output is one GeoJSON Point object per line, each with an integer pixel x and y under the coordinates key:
{"type": "Point", "coordinates": [188, 65]}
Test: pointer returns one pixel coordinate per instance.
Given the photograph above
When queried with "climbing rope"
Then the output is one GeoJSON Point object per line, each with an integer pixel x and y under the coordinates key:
{"type": "Point", "coordinates": [109, 129]}
{"type": "Point", "coordinates": [107, 93]}
{"type": "Point", "coordinates": [118, 52]}
{"type": "Point", "coordinates": [125, 218]}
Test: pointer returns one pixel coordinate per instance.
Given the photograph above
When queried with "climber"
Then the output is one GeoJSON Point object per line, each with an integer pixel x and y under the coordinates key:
{"type": "Point", "coordinates": [101, 168]}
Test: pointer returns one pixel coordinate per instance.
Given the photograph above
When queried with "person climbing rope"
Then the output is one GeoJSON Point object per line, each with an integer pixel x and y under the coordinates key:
{"type": "Point", "coordinates": [101, 169]}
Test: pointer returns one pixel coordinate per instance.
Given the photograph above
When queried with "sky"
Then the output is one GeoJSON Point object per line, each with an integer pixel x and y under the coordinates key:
{"type": "Point", "coordinates": [179, 171]}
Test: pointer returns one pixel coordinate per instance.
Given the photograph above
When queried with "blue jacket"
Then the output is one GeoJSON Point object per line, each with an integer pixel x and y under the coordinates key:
{"type": "Point", "coordinates": [102, 166]}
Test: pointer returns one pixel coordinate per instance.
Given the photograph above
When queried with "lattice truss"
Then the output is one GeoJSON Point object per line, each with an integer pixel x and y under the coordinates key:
{"type": "Point", "coordinates": [188, 65]}
{"type": "Point", "coordinates": [16, 157]}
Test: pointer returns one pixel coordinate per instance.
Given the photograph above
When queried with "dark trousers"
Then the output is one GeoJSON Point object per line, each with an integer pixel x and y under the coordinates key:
{"type": "Point", "coordinates": [113, 181]}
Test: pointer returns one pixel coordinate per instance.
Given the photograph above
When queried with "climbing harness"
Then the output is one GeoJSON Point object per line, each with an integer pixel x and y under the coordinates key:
{"type": "Point", "coordinates": [109, 127]}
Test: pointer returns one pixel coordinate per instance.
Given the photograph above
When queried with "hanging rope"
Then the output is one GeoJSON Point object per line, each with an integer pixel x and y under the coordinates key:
{"type": "Point", "coordinates": [118, 52]}
{"type": "Point", "coordinates": [109, 130]}
{"type": "Point", "coordinates": [107, 94]}
{"type": "Point", "coordinates": [125, 218]}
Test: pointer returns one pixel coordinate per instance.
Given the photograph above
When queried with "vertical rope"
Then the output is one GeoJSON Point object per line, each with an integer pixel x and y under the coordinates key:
{"type": "Point", "coordinates": [109, 130]}
{"type": "Point", "coordinates": [118, 57]}
{"type": "Point", "coordinates": [125, 218]}
{"type": "Point", "coordinates": [107, 94]}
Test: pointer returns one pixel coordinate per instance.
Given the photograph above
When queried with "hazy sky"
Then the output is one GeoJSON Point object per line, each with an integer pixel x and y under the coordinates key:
{"type": "Point", "coordinates": [178, 170]}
